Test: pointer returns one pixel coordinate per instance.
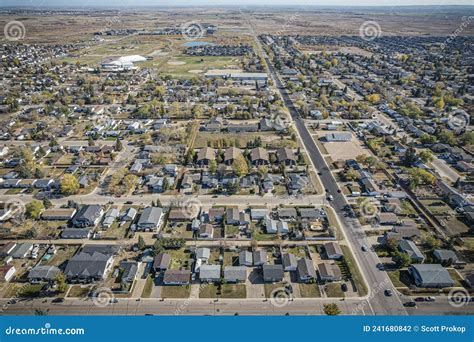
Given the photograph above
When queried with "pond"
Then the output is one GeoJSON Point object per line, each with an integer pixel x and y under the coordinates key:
{"type": "Point", "coordinates": [193, 44]}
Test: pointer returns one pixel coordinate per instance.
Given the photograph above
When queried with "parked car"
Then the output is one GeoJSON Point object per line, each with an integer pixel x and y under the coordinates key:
{"type": "Point", "coordinates": [430, 299]}
{"type": "Point", "coordinates": [409, 304]}
{"type": "Point", "coordinates": [364, 248]}
{"type": "Point", "coordinates": [344, 287]}
{"type": "Point", "coordinates": [419, 299]}
{"type": "Point", "coordinates": [388, 293]}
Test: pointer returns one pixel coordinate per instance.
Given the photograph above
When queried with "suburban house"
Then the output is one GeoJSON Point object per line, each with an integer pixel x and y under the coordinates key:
{"type": "Point", "coordinates": [161, 262]}
{"type": "Point", "coordinates": [272, 273]}
{"type": "Point", "coordinates": [43, 273]}
{"type": "Point", "coordinates": [409, 247]}
{"type": "Point", "coordinates": [22, 250]}
{"type": "Point", "coordinates": [150, 219]}
{"type": "Point", "coordinates": [76, 233]}
{"type": "Point", "coordinates": [259, 257]}
{"type": "Point", "coordinates": [230, 154]}
{"type": "Point", "coordinates": [128, 271]}
{"type": "Point", "coordinates": [329, 272]}
{"type": "Point", "coordinates": [259, 156]}
{"type": "Point", "coordinates": [177, 277]}
{"type": "Point", "coordinates": [245, 258]}
{"type": "Point", "coordinates": [289, 262]}
{"type": "Point", "coordinates": [205, 156]}
{"type": "Point", "coordinates": [305, 270]}
{"type": "Point", "coordinates": [88, 216]}
{"type": "Point", "coordinates": [59, 214]}
{"type": "Point", "coordinates": [92, 263]}
{"type": "Point", "coordinates": [210, 273]}
{"type": "Point", "coordinates": [235, 274]}
{"type": "Point", "coordinates": [7, 272]}
{"type": "Point", "coordinates": [110, 217]}
{"type": "Point", "coordinates": [7, 249]}
{"type": "Point", "coordinates": [274, 226]}
{"type": "Point", "coordinates": [286, 156]}
{"type": "Point", "coordinates": [205, 231]}
{"type": "Point", "coordinates": [333, 250]}
{"type": "Point", "coordinates": [430, 275]}
{"type": "Point", "coordinates": [445, 256]}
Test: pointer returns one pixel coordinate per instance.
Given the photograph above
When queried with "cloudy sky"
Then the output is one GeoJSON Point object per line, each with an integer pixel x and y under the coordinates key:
{"type": "Point", "coordinates": [84, 3]}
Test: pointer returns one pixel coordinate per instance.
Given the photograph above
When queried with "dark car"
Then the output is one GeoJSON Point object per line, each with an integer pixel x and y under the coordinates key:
{"type": "Point", "coordinates": [388, 293]}
{"type": "Point", "coordinates": [129, 202]}
{"type": "Point", "coordinates": [57, 300]}
{"type": "Point", "coordinates": [344, 287]}
{"type": "Point", "coordinates": [419, 299]}
{"type": "Point", "coordinates": [409, 304]}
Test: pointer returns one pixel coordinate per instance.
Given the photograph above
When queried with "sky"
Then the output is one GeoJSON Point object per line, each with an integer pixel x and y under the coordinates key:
{"type": "Point", "coordinates": [133, 3]}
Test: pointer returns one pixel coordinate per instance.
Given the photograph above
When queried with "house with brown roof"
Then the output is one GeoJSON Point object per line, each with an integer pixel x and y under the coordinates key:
{"type": "Point", "coordinates": [177, 277]}
{"type": "Point", "coordinates": [205, 156]}
{"type": "Point", "coordinates": [259, 156]}
{"type": "Point", "coordinates": [231, 154]}
{"type": "Point", "coordinates": [286, 156]}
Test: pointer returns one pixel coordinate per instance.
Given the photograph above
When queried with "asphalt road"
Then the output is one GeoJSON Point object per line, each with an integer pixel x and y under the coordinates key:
{"type": "Point", "coordinates": [377, 280]}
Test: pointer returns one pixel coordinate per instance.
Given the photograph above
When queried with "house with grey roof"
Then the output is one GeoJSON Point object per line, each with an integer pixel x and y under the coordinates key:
{"type": "Point", "coordinates": [75, 233]}
{"type": "Point", "coordinates": [245, 258]}
{"type": "Point", "coordinates": [287, 214]}
{"type": "Point", "coordinates": [329, 272]}
{"type": "Point", "coordinates": [210, 273]}
{"type": "Point", "coordinates": [150, 219]}
{"type": "Point", "coordinates": [88, 215]}
{"type": "Point", "coordinates": [129, 215]}
{"type": "Point", "coordinates": [92, 263]}
{"type": "Point", "coordinates": [110, 217]}
{"type": "Point", "coordinates": [445, 256]}
{"type": "Point", "coordinates": [128, 271]}
{"type": "Point", "coordinates": [276, 226]}
{"type": "Point", "coordinates": [161, 262]}
{"type": "Point", "coordinates": [203, 253]}
{"type": "Point", "coordinates": [205, 231]}
{"type": "Point", "coordinates": [176, 277]}
{"type": "Point", "coordinates": [305, 270]}
{"type": "Point", "coordinates": [286, 156]}
{"type": "Point", "coordinates": [272, 273]}
{"type": "Point", "coordinates": [22, 250]}
{"type": "Point", "coordinates": [409, 247]}
{"type": "Point", "coordinates": [289, 262]}
{"type": "Point", "coordinates": [43, 273]}
{"type": "Point", "coordinates": [430, 275]}
{"type": "Point", "coordinates": [235, 274]}
{"type": "Point", "coordinates": [259, 257]}
{"type": "Point", "coordinates": [333, 250]}
{"type": "Point", "coordinates": [232, 216]}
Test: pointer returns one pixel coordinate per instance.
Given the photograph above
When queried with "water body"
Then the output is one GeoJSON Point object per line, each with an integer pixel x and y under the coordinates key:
{"type": "Point", "coordinates": [192, 44]}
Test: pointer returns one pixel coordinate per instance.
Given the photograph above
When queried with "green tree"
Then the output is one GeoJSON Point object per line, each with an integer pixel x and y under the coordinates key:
{"type": "Point", "coordinates": [69, 185]}
{"type": "Point", "coordinates": [34, 209]}
{"type": "Point", "coordinates": [402, 259]}
{"type": "Point", "coordinates": [240, 166]}
{"type": "Point", "coordinates": [61, 282]}
{"type": "Point", "coordinates": [331, 309]}
{"type": "Point", "coordinates": [141, 243]}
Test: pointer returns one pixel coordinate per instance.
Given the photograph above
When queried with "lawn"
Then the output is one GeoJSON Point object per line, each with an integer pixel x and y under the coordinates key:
{"type": "Point", "coordinates": [179, 258]}
{"type": "Point", "coordinates": [148, 287]}
{"type": "Point", "coordinates": [334, 290]}
{"type": "Point", "coordinates": [399, 278]}
{"type": "Point", "coordinates": [298, 251]}
{"type": "Point", "coordinates": [78, 291]}
{"type": "Point", "coordinates": [231, 258]}
{"type": "Point", "coordinates": [182, 65]}
{"type": "Point", "coordinates": [231, 230]}
{"type": "Point", "coordinates": [176, 291]}
{"type": "Point", "coordinates": [309, 290]}
{"type": "Point", "coordinates": [225, 291]}
{"type": "Point", "coordinates": [270, 287]}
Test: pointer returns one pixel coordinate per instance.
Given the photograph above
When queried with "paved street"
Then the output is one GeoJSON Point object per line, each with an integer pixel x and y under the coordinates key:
{"type": "Point", "coordinates": [377, 280]}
